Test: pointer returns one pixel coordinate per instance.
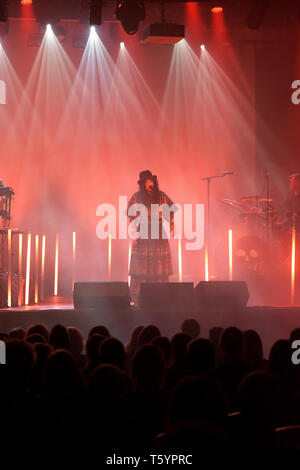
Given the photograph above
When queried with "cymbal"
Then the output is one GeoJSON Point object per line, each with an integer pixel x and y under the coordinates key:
{"type": "Point", "coordinates": [235, 204]}
{"type": "Point", "coordinates": [255, 199]}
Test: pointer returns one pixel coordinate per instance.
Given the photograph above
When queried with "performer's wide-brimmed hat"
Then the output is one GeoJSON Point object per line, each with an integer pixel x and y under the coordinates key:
{"type": "Point", "coordinates": [145, 175]}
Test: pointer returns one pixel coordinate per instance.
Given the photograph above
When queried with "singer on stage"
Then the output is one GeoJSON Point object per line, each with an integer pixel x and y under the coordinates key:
{"type": "Point", "coordinates": [150, 258]}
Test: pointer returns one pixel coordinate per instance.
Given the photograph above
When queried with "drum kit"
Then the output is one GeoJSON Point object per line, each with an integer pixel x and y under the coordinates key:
{"type": "Point", "coordinates": [260, 243]}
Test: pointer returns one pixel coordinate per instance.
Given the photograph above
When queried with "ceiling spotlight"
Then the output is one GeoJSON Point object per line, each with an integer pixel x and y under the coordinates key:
{"type": "Point", "coordinates": [26, 2]}
{"type": "Point", "coordinates": [217, 9]}
{"type": "Point", "coordinates": [130, 13]}
{"type": "Point", "coordinates": [122, 45]}
{"type": "Point", "coordinates": [202, 47]}
{"type": "Point", "coordinates": [49, 27]}
{"type": "Point", "coordinates": [93, 29]}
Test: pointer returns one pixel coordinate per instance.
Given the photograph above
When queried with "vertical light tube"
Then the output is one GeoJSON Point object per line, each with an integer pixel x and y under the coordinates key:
{"type": "Point", "coordinates": [20, 269]}
{"type": "Point", "coordinates": [230, 253]}
{"type": "Point", "coordinates": [36, 284]}
{"type": "Point", "coordinates": [180, 260]}
{"type": "Point", "coordinates": [129, 258]}
{"type": "Point", "coordinates": [56, 266]}
{"type": "Point", "coordinates": [27, 281]}
{"type": "Point", "coordinates": [109, 257]}
{"type": "Point", "coordinates": [206, 265]}
{"type": "Point", "coordinates": [9, 267]}
{"type": "Point", "coordinates": [73, 259]}
{"type": "Point", "coordinates": [43, 254]}
{"type": "Point", "coordinates": [293, 265]}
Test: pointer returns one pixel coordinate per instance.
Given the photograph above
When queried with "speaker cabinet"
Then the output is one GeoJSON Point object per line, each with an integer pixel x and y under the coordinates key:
{"type": "Point", "coordinates": [221, 294]}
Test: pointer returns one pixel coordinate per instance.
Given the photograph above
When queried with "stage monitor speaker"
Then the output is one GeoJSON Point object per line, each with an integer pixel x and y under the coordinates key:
{"type": "Point", "coordinates": [166, 296]}
{"type": "Point", "coordinates": [106, 295]}
{"type": "Point", "coordinates": [221, 294]}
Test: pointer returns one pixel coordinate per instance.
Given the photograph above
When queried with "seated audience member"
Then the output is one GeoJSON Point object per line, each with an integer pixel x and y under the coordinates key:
{"type": "Point", "coordinates": [295, 334]}
{"type": "Point", "coordinates": [164, 344]}
{"type": "Point", "coordinates": [148, 401]}
{"type": "Point", "coordinates": [132, 345]}
{"type": "Point", "coordinates": [147, 334]}
{"type": "Point", "coordinates": [77, 344]}
{"type": "Point", "coordinates": [253, 350]}
{"type": "Point", "coordinates": [99, 330]}
{"type": "Point", "coordinates": [42, 352]}
{"type": "Point", "coordinates": [196, 399]}
{"type": "Point", "coordinates": [107, 408]}
{"type": "Point", "coordinates": [281, 366]}
{"type": "Point", "coordinates": [214, 336]}
{"type": "Point", "coordinates": [112, 351]}
{"type": "Point", "coordinates": [258, 398]}
{"type": "Point", "coordinates": [92, 352]}
{"type": "Point", "coordinates": [179, 344]}
{"type": "Point", "coordinates": [35, 338]}
{"type": "Point", "coordinates": [233, 369]}
{"type": "Point", "coordinates": [64, 383]}
{"type": "Point", "coordinates": [59, 337]}
{"type": "Point", "coordinates": [191, 327]}
{"type": "Point", "coordinates": [200, 357]}
{"type": "Point", "coordinates": [17, 333]}
{"type": "Point", "coordinates": [38, 329]}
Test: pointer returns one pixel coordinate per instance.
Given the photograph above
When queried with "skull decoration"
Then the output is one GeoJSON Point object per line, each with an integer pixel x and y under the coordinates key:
{"type": "Point", "coordinates": [250, 254]}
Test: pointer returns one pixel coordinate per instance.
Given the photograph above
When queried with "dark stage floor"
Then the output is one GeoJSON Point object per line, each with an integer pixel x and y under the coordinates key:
{"type": "Point", "coordinates": [271, 323]}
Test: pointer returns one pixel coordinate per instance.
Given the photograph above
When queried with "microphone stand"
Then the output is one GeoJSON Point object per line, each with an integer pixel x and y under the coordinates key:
{"type": "Point", "coordinates": [268, 205]}
{"type": "Point", "coordinates": [209, 179]}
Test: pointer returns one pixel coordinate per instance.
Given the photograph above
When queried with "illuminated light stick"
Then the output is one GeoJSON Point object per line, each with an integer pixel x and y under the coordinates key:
{"type": "Point", "coordinates": [20, 268]}
{"type": "Point", "coordinates": [56, 266]}
{"type": "Point", "coordinates": [230, 253]}
{"type": "Point", "coordinates": [9, 268]}
{"type": "Point", "coordinates": [109, 257]}
{"type": "Point", "coordinates": [73, 259]}
{"type": "Point", "coordinates": [180, 259]}
{"type": "Point", "coordinates": [129, 258]}
{"type": "Point", "coordinates": [293, 265]}
{"type": "Point", "coordinates": [43, 266]}
{"type": "Point", "coordinates": [27, 280]}
{"type": "Point", "coordinates": [36, 284]}
{"type": "Point", "coordinates": [206, 265]}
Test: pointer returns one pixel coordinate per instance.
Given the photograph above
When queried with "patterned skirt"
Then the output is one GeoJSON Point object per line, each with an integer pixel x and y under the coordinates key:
{"type": "Point", "coordinates": [150, 260]}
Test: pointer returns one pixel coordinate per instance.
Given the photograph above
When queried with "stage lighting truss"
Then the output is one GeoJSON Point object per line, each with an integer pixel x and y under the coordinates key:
{"type": "Point", "coordinates": [130, 13]}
